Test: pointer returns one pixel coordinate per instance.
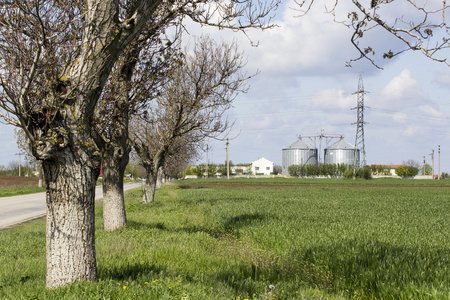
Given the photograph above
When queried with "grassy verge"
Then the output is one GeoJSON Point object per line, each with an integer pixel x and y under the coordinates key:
{"type": "Point", "coordinates": [255, 243]}
{"type": "Point", "coordinates": [24, 190]}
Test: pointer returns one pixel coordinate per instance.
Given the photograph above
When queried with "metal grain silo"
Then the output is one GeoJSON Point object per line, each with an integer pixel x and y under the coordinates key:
{"type": "Point", "coordinates": [298, 153]}
{"type": "Point", "coordinates": [341, 152]}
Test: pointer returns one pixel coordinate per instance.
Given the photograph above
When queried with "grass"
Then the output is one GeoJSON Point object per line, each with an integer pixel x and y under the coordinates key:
{"type": "Point", "coordinates": [325, 181]}
{"type": "Point", "coordinates": [23, 190]}
{"type": "Point", "coordinates": [320, 242]}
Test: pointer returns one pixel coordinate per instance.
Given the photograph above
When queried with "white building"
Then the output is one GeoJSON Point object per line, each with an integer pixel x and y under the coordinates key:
{"type": "Point", "coordinates": [262, 166]}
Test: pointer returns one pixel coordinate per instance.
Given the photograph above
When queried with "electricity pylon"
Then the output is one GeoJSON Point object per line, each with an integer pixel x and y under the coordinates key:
{"type": "Point", "coordinates": [359, 139]}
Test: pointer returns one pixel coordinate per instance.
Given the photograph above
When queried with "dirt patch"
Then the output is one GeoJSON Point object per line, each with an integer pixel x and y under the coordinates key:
{"type": "Point", "coordinates": [17, 181]}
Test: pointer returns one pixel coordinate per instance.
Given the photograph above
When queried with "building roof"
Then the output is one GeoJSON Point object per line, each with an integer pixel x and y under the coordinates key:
{"type": "Point", "coordinates": [341, 144]}
{"type": "Point", "coordinates": [262, 159]}
{"type": "Point", "coordinates": [299, 144]}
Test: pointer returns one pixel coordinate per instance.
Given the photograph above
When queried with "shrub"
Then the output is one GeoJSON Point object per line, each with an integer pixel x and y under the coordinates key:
{"type": "Point", "coordinates": [314, 170]}
{"type": "Point", "coordinates": [348, 173]}
{"type": "Point", "coordinates": [405, 171]}
{"type": "Point", "coordinates": [365, 173]}
{"type": "Point", "coordinates": [294, 170]}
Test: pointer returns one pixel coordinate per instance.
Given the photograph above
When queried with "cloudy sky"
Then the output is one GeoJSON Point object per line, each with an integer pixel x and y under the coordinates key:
{"type": "Point", "coordinates": [304, 87]}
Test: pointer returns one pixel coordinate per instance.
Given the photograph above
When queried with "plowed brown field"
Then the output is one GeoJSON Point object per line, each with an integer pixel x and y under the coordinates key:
{"type": "Point", "coordinates": [17, 181]}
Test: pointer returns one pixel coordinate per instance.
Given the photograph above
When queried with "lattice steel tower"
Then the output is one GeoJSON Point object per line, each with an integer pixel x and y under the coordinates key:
{"type": "Point", "coordinates": [359, 139]}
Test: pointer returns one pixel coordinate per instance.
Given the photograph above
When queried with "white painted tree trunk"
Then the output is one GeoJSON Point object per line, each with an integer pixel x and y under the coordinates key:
{"type": "Point", "coordinates": [70, 232]}
{"type": "Point", "coordinates": [159, 178]}
{"type": "Point", "coordinates": [150, 187]}
{"type": "Point", "coordinates": [114, 215]}
{"type": "Point", "coordinates": [41, 174]}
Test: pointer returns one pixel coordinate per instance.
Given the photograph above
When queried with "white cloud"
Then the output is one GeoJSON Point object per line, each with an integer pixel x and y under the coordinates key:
{"type": "Point", "coordinates": [430, 111]}
{"type": "Point", "coordinates": [401, 85]}
{"type": "Point", "coordinates": [332, 98]}
{"type": "Point", "coordinates": [443, 78]}
{"type": "Point", "coordinates": [400, 117]}
{"type": "Point", "coordinates": [411, 131]}
{"type": "Point", "coordinates": [312, 44]}
{"type": "Point", "coordinates": [403, 91]}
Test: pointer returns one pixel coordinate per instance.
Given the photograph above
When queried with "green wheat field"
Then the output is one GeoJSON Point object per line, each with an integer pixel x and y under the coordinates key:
{"type": "Point", "coordinates": [258, 239]}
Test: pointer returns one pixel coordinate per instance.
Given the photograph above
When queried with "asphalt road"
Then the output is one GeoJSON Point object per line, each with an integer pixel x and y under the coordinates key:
{"type": "Point", "coordinates": [18, 209]}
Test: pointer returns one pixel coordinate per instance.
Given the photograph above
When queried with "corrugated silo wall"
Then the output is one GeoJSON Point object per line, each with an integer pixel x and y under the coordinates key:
{"type": "Point", "coordinates": [340, 156]}
{"type": "Point", "coordinates": [297, 157]}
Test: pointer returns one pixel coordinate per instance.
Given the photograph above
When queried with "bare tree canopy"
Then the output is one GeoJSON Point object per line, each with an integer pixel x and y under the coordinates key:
{"type": "Point", "coordinates": [120, 99]}
{"type": "Point", "coordinates": [419, 25]}
{"type": "Point", "coordinates": [190, 106]}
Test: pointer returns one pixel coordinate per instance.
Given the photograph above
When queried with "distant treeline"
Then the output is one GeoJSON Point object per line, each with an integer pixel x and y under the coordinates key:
{"type": "Point", "coordinates": [12, 169]}
{"type": "Point", "coordinates": [333, 170]}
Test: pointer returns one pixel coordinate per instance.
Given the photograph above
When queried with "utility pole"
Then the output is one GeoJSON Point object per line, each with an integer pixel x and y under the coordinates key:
{"type": "Point", "coordinates": [432, 163]}
{"type": "Point", "coordinates": [228, 161]}
{"type": "Point", "coordinates": [20, 166]}
{"type": "Point", "coordinates": [206, 169]}
{"type": "Point", "coordinates": [439, 162]}
{"type": "Point", "coordinates": [423, 168]}
{"type": "Point", "coordinates": [320, 147]}
{"type": "Point", "coordinates": [359, 139]}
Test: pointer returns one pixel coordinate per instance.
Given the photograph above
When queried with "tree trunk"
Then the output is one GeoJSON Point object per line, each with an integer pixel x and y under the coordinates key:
{"type": "Point", "coordinates": [114, 216]}
{"type": "Point", "coordinates": [159, 178]}
{"type": "Point", "coordinates": [41, 174]}
{"type": "Point", "coordinates": [150, 186]}
{"type": "Point", "coordinates": [70, 232]}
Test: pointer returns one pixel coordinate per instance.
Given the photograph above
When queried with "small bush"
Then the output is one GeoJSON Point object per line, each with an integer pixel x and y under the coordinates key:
{"type": "Point", "coordinates": [348, 173]}
{"type": "Point", "coordinates": [315, 170]}
{"type": "Point", "coordinates": [405, 171]}
{"type": "Point", "coordinates": [364, 173]}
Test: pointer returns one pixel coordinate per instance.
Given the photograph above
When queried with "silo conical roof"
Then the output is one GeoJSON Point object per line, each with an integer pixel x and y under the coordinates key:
{"type": "Point", "coordinates": [299, 144]}
{"type": "Point", "coordinates": [341, 144]}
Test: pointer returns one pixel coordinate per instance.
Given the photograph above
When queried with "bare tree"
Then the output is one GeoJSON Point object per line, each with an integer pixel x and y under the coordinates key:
{"type": "Point", "coordinates": [151, 55]}
{"type": "Point", "coordinates": [411, 163]}
{"type": "Point", "coordinates": [190, 107]}
{"type": "Point", "coordinates": [23, 143]}
{"type": "Point", "coordinates": [175, 164]}
{"type": "Point", "coordinates": [421, 27]}
{"type": "Point", "coordinates": [55, 58]}
{"type": "Point", "coordinates": [184, 150]}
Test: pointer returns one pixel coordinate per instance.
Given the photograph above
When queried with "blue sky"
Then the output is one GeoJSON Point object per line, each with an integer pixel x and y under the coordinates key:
{"type": "Point", "coordinates": [304, 87]}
